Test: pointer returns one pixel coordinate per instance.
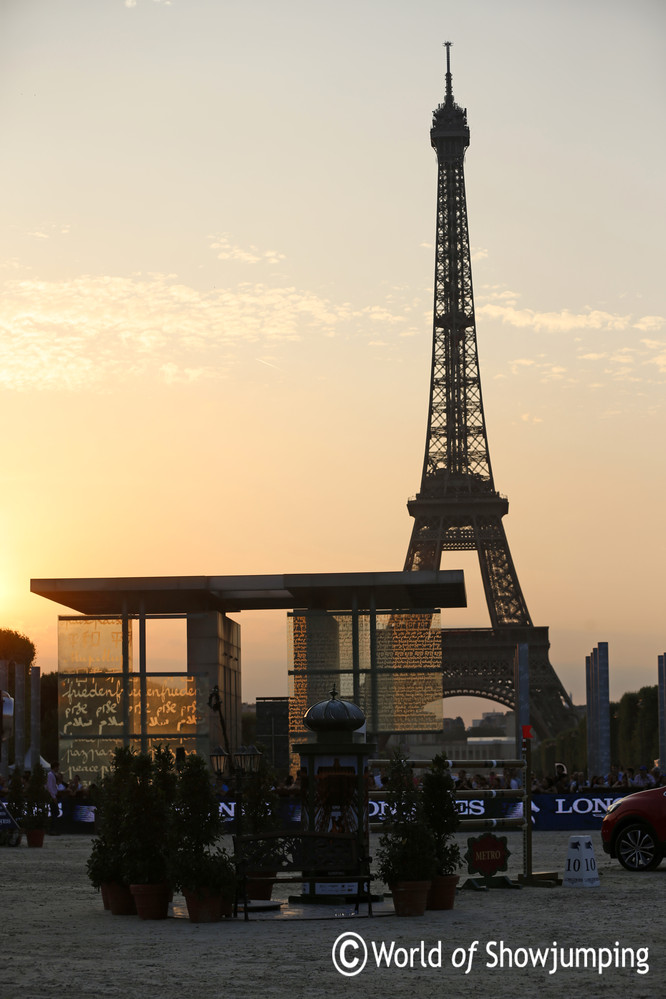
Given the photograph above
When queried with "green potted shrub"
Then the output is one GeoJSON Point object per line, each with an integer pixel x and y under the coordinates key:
{"type": "Point", "coordinates": [197, 818]}
{"type": "Point", "coordinates": [206, 876]}
{"type": "Point", "coordinates": [207, 879]}
{"type": "Point", "coordinates": [259, 806]}
{"type": "Point", "coordinates": [147, 832]}
{"type": "Point", "coordinates": [105, 865]}
{"type": "Point", "coordinates": [104, 869]}
{"type": "Point", "coordinates": [441, 817]}
{"type": "Point", "coordinates": [259, 800]}
{"type": "Point", "coordinates": [406, 854]}
{"type": "Point", "coordinates": [37, 809]}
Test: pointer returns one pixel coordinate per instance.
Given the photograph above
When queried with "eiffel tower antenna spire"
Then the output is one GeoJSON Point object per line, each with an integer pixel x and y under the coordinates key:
{"type": "Point", "coordinates": [449, 85]}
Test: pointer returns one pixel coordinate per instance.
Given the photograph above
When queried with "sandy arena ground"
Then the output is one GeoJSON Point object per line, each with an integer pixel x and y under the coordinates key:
{"type": "Point", "coordinates": [57, 940]}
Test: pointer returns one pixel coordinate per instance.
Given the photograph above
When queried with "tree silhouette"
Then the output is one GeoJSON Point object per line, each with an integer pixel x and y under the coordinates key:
{"type": "Point", "coordinates": [16, 647]}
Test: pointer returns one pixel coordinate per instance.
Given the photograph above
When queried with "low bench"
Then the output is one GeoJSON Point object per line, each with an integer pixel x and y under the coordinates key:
{"type": "Point", "coordinates": [303, 857]}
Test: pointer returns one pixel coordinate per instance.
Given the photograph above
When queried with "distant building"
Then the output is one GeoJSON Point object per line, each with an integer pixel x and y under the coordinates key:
{"type": "Point", "coordinates": [272, 734]}
{"type": "Point", "coordinates": [494, 719]}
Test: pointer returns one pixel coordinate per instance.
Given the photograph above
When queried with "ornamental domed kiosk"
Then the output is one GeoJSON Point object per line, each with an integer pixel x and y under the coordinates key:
{"type": "Point", "coordinates": [334, 716]}
{"type": "Point", "coordinates": [335, 778]}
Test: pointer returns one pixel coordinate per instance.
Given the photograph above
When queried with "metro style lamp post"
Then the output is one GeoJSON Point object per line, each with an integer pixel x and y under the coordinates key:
{"type": "Point", "coordinates": [220, 762]}
{"type": "Point", "coordinates": [242, 762]}
{"type": "Point", "coordinates": [237, 764]}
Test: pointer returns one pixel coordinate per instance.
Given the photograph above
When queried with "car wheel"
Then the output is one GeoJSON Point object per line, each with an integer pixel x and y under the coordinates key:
{"type": "Point", "coordinates": [636, 848]}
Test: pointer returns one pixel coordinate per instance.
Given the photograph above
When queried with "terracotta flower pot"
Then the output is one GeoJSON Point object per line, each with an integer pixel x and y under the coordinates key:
{"type": "Point", "coordinates": [205, 908]}
{"type": "Point", "coordinates": [442, 893]}
{"type": "Point", "coordinates": [35, 837]}
{"type": "Point", "coordinates": [259, 889]}
{"type": "Point", "coordinates": [409, 897]}
{"type": "Point", "coordinates": [152, 901]}
{"type": "Point", "coordinates": [120, 899]}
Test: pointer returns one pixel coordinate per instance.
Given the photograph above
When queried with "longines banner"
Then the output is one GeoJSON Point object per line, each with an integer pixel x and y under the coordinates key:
{"type": "Point", "coordinates": [571, 811]}
{"type": "Point", "coordinates": [549, 811]}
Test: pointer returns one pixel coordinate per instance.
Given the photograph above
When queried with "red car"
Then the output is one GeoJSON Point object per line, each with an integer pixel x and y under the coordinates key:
{"type": "Point", "coordinates": [634, 829]}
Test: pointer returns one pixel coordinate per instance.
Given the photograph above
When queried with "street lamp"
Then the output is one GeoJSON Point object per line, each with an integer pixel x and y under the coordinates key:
{"type": "Point", "coordinates": [220, 762]}
{"type": "Point", "coordinates": [224, 760]}
{"type": "Point", "coordinates": [247, 759]}
{"type": "Point", "coordinates": [236, 764]}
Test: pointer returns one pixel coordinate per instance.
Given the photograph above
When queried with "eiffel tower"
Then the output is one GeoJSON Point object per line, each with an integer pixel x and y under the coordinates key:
{"type": "Point", "coordinates": [457, 507]}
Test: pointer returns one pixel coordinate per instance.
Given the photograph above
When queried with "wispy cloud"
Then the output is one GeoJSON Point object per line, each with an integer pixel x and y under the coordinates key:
{"type": "Point", "coordinates": [500, 304]}
{"type": "Point", "coordinates": [92, 330]}
{"type": "Point", "coordinates": [650, 324]}
{"type": "Point", "coordinates": [48, 230]}
{"type": "Point", "coordinates": [225, 249]}
{"type": "Point", "coordinates": [496, 295]}
{"type": "Point", "coordinates": [623, 356]}
{"type": "Point", "coordinates": [574, 355]}
{"type": "Point", "coordinates": [660, 361]}
{"type": "Point", "coordinates": [555, 322]}
{"type": "Point", "coordinates": [173, 374]}
{"type": "Point", "coordinates": [95, 331]}
{"type": "Point", "coordinates": [520, 362]}
{"type": "Point", "coordinates": [624, 365]}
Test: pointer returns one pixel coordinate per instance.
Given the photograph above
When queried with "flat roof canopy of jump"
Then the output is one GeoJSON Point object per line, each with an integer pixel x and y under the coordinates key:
{"type": "Point", "coordinates": [228, 594]}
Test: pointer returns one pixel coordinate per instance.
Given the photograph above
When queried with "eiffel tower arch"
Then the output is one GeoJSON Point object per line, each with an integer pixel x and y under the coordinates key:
{"type": "Point", "coordinates": [457, 507]}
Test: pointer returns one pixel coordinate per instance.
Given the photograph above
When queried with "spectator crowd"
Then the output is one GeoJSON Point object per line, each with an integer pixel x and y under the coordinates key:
{"type": "Point", "coordinates": [619, 778]}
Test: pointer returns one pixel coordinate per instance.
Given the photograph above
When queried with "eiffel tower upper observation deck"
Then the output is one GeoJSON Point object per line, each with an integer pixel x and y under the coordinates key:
{"type": "Point", "coordinates": [457, 507]}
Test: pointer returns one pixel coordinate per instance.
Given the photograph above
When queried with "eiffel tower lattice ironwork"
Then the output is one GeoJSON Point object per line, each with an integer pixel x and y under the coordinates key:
{"type": "Point", "coordinates": [458, 507]}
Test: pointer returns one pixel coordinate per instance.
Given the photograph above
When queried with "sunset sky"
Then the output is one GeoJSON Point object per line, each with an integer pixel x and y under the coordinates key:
{"type": "Point", "coordinates": [216, 258]}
